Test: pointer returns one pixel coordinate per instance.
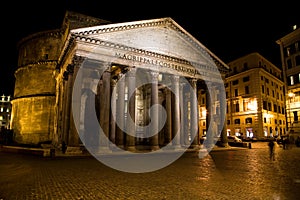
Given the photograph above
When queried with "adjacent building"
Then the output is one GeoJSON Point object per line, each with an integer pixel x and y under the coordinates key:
{"type": "Point", "coordinates": [92, 73]}
{"type": "Point", "coordinates": [5, 112]}
{"type": "Point", "coordinates": [255, 98]}
{"type": "Point", "coordinates": [290, 61]}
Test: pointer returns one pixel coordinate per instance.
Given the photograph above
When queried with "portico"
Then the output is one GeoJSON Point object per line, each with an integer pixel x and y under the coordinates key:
{"type": "Point", "coordinates": [139, 83]}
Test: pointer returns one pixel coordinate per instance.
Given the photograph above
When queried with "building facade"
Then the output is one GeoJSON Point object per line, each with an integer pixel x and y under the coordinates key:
{"type": "Point", "coordinates": [255, 98]}
{"type": "Point", "coordinates": [135, 83]}
{"type": "Point", "coordinates": [5, 112]}
{"type": "Point", "coordinates": [290, 60]}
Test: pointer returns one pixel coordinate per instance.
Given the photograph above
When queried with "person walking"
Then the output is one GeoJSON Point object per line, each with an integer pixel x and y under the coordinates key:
{"type": "Point", "coordinates": [271, 145]}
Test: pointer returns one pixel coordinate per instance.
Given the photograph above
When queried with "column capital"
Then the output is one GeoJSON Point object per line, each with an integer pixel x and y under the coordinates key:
{"type": "Point", "coordinates": [154, 75]}
{"type": "Point", "coordinates": [176, 78]}
{"type": "Point", "coordinates": [77, 60]}
{"type": "Point", "coordinates": [113, 82]}
{"type": "Point", "coordinates": [131, 72]}
{"type": "Point", "coordinates": [193, 82]}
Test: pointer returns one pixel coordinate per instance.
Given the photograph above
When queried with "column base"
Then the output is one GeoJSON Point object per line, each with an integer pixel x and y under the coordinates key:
{"type": "Point", "coordinates": [104, 150]}
{"type": "Point", "coordinates": [195, 147]}
{"type": "Point", "coordinates": [131, 148]}
{"type": "Point", "coordinates": [155, 148]}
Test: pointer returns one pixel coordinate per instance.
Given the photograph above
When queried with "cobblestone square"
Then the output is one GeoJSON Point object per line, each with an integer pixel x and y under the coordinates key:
{"type": "Point", "coordinates": [225, 174]}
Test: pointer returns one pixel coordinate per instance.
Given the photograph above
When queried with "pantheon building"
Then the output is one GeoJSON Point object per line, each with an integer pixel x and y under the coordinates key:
{"type": "Point", "coordinates": [140, 85]}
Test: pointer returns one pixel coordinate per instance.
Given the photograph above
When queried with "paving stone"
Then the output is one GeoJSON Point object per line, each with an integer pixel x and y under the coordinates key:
{"type": "Point", "coordinates": [239, 174]}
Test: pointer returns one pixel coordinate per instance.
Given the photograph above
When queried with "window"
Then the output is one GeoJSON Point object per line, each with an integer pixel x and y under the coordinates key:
{"type": "Point", "coordinates": [265, 105]}
{"type": "Point", "coordinates": [247, 89]}
{"type": "Point", "coordinates": [297, 59]}
{"type": "Point", "coordinates": [235, 82]}
{"type": "Point", "coordinates": [291, 80]}
{"type": "Point", "coordinates": [274, 107]}
{"type": "Point", "coordinates": [263, 89]}
{"type": "Point", "coordinates": [245, 79]}
{"type": "Point", "coordinates": [248, 120]}
{"type": "Point", "coordinates": [236, 107]}
{"type": "Point", "coordinates": [228, 122]}
{"type": "Point", "coordinates": [288, 51]}
{"type": "Point", "coordinates": [269, 106]}
{"type": "Point", "coordinates": [289, 63]}
{"type": "Point", "coordinates": [236, 93]}
{"type": "Point", "coordinates": [237, 121]}
{"type": "Point", "coordinates": [295, 116]}
{"type": "Point", "coordinates": [267, 80]}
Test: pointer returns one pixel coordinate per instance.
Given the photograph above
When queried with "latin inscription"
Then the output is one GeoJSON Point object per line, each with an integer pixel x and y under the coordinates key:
{"type": "Point", "coordinates": [160, 63]}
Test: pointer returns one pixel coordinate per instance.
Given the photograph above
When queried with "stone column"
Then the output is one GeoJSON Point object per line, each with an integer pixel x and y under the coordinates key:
{"type": "Point", "coordinates": [120, 110]}
{"type": "Point", "coordinates": [194, 114]}
{"type": "Point", "coordinates": [184, 132]}
{"type": "Point", "coordinates": [104, 106]}
{"type": "Point", "coordinates": [209, 142]}
{"type": "Point", "coordinates": [112, 135]}
{"type": "Point", "coordinates": [73, 134]}
{"type": "Point", "coordinates": [130, 123]}
{"type": "Point", "coordinates": [68, 75]}
{"type": "Point", "coordinates": [154, 111]}
{"type": "Point", "coordinates": [222, 96]}
{"type": "Point", "coordinates": [176, 113]}
{"type": "Point", "coordinates": [168, 127]}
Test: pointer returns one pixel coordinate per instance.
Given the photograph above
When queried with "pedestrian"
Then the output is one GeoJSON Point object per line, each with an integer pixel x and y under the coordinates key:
{"type": "Point", "coordinates": [63, 147]}
{"type": "Point", "coordinates": [271, 145]}
{"type": "Point", "coordinates": [284, 145]}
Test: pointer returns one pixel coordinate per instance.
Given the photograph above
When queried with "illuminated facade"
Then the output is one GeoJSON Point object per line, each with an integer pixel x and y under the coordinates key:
{"type": "Point", "coordinates": [115, 59]}
{"type": "Point", "coordinates": [290, 60]}
{"type": "Point", "coordinates": [255, 98]}
{"type": "Point", "coordinates": [5, 111]}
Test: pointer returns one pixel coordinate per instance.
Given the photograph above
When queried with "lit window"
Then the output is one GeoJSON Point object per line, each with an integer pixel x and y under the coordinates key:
{"type": "Point", "coordinates": [292, 80]}
{"type": "Point", "coordinates": [1, 110]}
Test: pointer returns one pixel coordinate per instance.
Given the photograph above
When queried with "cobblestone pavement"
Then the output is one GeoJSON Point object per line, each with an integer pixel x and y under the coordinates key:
{"type": "Point", "coordinates": [229, 174]}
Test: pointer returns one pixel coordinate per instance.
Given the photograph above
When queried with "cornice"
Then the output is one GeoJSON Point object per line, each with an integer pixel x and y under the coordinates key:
{"type": "Point", "coordinates": [46, 34]}
{"type": "Point", "coordinates": [37, 64]}
{"type": "Point", "coordinates": [290, 37]}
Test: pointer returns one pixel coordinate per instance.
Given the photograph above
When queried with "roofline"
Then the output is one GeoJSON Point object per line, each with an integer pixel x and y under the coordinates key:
{"type": "Point", "coordinates": [141, 23]}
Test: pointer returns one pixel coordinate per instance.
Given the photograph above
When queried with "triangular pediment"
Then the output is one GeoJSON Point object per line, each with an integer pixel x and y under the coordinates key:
{"type": "Point", "coordinates": [161, 36]}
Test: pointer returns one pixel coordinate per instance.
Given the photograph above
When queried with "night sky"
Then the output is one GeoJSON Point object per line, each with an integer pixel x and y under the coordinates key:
{"type": "Point", "coordinates": [229, 30]}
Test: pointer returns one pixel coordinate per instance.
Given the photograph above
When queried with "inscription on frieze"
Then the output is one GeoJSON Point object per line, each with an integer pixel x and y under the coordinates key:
{"type": "Point", "coordinates": [161, 63]}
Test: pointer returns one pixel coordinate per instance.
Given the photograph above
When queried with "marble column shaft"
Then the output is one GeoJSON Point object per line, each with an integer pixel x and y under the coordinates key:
{"type": "Point", "coordinates": [120, 110]}
{"type": "Point", "coordinates": [176, 112]}
{"type": "Point", "coordinates": [168, 136]}
{"type": "Point", "coordinates": [194, 113]}
{"type": "Point", "coordinates": [112, 135]}
{"type": "Point", "coordinates": [105, 95]}
{"type": "Point", "coordinates": [154, 111]}
{"type": "Point", "coordinates": [130, 123]}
